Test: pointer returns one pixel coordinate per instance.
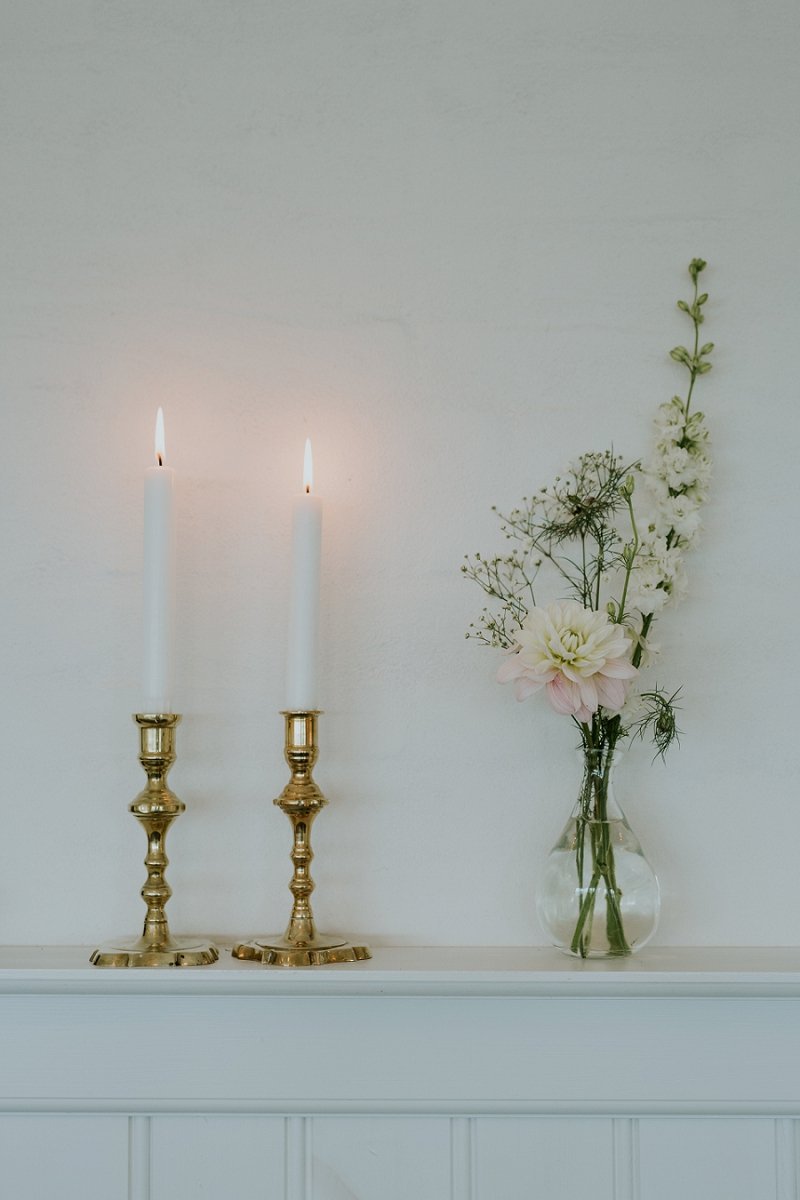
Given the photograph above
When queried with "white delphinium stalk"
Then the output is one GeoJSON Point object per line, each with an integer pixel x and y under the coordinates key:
{"type": "Point", "coordinates": [677, 474]}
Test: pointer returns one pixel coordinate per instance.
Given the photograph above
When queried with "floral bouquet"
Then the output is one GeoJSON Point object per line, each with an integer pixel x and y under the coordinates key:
{"type": "Point", "coordinates": [616, 564]}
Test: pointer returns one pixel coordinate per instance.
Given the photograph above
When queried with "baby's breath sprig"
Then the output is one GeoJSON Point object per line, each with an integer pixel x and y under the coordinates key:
{"type": "Point", "coordinates": [508, 579]}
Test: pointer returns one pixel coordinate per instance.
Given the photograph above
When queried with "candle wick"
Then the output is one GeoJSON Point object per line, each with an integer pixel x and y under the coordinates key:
{"type": "Point", "coordinates": [308, 489]}
{"type": "Point", "coordinates": [160, 460]}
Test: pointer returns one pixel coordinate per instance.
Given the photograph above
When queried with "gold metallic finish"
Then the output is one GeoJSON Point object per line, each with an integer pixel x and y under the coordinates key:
{"type": "Point", "coordinates": [301, 800]}
{"type": "Point", "coordinates": [156, 807]}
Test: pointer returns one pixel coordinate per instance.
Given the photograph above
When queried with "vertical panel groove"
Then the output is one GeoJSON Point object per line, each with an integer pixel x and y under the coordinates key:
{"type": "Point", "coordinates": [298, 1173]}
{"type": "Point", "coordinates": [786, 1159]}
{"type": "Point", "coordinates": [308, 1157]}
{"type": "Point", "coordinates": [138, 1158]}
{"type": "Point", "coordinates": [625, 1136]}
{"type": "Point", "coordinates": [462, 1158]}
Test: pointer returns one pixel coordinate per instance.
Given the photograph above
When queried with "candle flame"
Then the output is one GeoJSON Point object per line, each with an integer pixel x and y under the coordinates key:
{"type": "Point", "coordinates": [308, 468]}
{"type": "Point", "coordinates": [160, 437]}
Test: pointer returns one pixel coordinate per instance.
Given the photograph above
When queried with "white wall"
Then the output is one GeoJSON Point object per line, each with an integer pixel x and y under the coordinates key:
{"type": "Point", "coordinates": [444, 238]}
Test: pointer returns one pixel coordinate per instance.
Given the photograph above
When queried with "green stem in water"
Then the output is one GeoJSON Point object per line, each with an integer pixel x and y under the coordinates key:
{"type": "Point", "coordinates": [599, 743]}
{"type": "Point", "coordinates": [581, 941]}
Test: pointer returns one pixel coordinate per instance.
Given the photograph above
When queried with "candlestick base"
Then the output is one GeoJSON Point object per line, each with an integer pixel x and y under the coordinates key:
{"type": "Point", "coordinates": [274, 950]}
{"type": "Point", "coordinates": [182, 952]}
{"type": "Point", "coordinates": [156, 807]}
{"type": "Point", "coordinates": [301, 800]}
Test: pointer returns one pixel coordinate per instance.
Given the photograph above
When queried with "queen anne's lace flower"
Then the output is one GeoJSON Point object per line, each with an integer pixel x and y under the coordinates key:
{"type": "Point", "coordinates": [580, 656]}
{"type": "Point", "coordinates": [554, 509]}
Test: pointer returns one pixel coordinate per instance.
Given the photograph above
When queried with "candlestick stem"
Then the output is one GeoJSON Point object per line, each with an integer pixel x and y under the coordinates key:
{"type": "Point", "coordinates": [156, 807]}
{"type": "Point", "coordinates": [301, 800]}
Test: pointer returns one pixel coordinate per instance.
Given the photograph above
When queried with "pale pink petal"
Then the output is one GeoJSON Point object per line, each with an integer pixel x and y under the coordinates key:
{"type": "Point", "coordinates": [610, 692]}
{"type": "Point", "coordinates": [510, 668]}
{"type": "Point", "coordinates": [588, 693]}
{"type": "Point", "coordinates": [620, 668]}
{"type": "Point", "coordinates": [563, 695]}
{"type": "Point", "coordinates": [526, 686]}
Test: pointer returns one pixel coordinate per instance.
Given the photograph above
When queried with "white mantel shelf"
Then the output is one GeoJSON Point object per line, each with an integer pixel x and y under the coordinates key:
{"type": "Point", "coordinates": [452, 971]}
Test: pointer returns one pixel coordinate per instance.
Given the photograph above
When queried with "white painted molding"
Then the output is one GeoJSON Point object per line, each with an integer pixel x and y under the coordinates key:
{"type": "Point", "coordinates": [443, 1107]}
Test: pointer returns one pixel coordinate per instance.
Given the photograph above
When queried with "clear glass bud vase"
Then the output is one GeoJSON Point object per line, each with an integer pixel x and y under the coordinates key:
{"type": "Point", "coordinates": [598, 896]}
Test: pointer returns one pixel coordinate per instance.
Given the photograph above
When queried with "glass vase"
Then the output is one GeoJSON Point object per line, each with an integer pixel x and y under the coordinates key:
{"type": "Point", "coordinates": [598, 896]}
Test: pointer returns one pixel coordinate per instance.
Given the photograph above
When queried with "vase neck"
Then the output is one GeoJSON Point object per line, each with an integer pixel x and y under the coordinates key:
{"type": "Point", "coordinates": [596, 799]}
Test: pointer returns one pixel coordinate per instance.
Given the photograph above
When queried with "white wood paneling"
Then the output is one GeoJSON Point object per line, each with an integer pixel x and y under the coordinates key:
{"type": "Point", "coordinates": [404, 1079]}
{"type": "Point", "coordinates": [380, 1158]}
{"type": "Point", "coordinates": [541, 1158]}
{"type": "Point", "coordinates": [707, 1159]}
{"type": "Point", "coordinates": [63, 1158]}
{"type": "Point", "coordinates": [217, 1158]}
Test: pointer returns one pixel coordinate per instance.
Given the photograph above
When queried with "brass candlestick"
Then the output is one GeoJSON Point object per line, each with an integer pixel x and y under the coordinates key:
{"type": "Point", "coordinates": [301, 800]}
{"type": "Point", "coordinates": [156, 807]}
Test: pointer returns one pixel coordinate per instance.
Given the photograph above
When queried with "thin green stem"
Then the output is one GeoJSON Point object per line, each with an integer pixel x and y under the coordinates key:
{"type": "Point", "coordinates": [693, 368]}
{"type": "Point", "coordinates": [647, 621]}
{"type": "Point", "coordinates": [630, 558]}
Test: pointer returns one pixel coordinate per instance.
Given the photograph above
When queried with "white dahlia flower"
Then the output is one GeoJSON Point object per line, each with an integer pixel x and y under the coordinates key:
{"type": "Point", "coordinates": [580, 656]}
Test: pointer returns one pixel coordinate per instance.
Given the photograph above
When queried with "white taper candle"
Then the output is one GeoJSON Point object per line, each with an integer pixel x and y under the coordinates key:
{"type": "Point", "coordinates": [301, 658]}
{"type": "Point", "coordinates": [157, 579]}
